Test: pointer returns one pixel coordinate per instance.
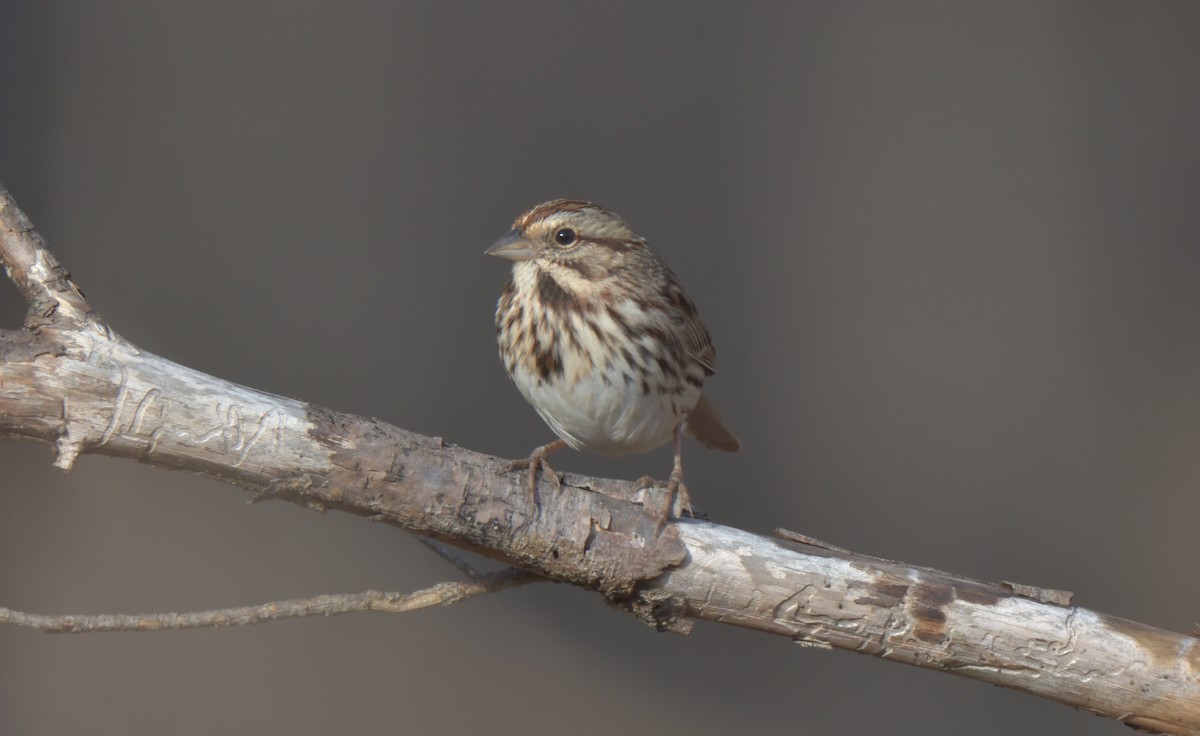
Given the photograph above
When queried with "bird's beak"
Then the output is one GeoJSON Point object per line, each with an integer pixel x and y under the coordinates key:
{"type": "Point", "coordinates": [513, 246]}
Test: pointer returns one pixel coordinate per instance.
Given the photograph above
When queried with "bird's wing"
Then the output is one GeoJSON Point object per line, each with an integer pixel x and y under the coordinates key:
{"type": "Point", "coordinates": [691, 329]}
{"type": "Point", "coordinates": [699, 345]}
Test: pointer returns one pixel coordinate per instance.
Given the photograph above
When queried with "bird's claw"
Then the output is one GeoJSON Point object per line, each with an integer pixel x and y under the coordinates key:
{"type": "Point", "coordinates": [534, 463]}
{"type": "Point", "coordinates": [678, 490]}
{"type": "Point", "coordinates": [677, 494]}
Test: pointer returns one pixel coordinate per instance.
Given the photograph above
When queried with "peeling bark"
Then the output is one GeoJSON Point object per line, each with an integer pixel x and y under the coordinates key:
{"type": "Point", "coordinates": [68, 380]}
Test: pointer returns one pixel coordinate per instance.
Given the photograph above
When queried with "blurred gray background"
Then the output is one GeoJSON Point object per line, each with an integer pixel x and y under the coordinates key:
{"type": "Point", "coordinates": [948, 251]}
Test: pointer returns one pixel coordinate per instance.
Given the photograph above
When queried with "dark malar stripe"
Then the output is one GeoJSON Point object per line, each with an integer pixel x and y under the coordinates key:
{"type": "Point", "coordinates": [579, 266]}
{"type": "Point", "coordinates": [554, 296]}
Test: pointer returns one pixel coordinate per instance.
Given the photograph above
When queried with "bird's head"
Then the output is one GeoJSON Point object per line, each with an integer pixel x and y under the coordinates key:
{"type": "Point", "coordinates": [573, 239]}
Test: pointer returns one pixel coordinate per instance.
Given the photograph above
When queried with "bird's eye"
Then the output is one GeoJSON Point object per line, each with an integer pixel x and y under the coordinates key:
{"type": "Point", "coordinates": [566, 236]}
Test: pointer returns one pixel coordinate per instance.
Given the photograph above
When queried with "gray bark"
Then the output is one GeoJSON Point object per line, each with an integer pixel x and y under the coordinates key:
{"type": "Point", "coordinates": [68, 380]}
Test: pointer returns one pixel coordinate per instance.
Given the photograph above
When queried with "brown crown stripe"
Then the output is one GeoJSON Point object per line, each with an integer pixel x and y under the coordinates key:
{"type": "Point", "coordinates": [553, 207]}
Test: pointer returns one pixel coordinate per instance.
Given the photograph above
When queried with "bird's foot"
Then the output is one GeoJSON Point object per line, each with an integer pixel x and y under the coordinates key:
{"type": "Point", "coordinates": [677, 495]}
{"type": "Point", "coordinates": [677, 491]}
{"type": "Point", "coordinates": [534, 463]}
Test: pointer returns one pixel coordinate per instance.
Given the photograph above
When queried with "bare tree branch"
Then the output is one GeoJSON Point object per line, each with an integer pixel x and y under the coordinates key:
{"type": "Point", "coordinates": [442, 594]}
{"type": "Point", "coordinates": [69, 381]}
{"type": "Point", "coordinates": [43, 282]}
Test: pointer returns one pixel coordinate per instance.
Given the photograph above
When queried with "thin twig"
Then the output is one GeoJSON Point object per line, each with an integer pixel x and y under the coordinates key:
{"type": "Point", "coordinates": [449, 554]}
{"type": "Point", "coordinates": [45, 284]}
{"type": "Point", "coordinates": [442, 594]}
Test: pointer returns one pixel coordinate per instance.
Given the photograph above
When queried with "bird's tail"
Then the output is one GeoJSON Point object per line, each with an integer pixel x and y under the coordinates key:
{"type": "Point", "coordinates": [705, 426]}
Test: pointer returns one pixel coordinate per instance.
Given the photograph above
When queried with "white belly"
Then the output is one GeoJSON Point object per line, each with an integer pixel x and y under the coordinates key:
{"type": "Point", "coordinates": [610, 419]}
{"type": "Point", "coordinates": [598, 387]}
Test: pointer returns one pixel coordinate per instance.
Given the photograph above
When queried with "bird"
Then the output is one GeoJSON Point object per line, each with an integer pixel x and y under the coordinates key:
{"type": "Point", "coordinates": [599, 336]}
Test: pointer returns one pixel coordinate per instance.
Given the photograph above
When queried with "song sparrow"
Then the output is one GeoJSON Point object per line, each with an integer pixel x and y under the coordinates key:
{"type": "Point", "coordinates": [600, 337]}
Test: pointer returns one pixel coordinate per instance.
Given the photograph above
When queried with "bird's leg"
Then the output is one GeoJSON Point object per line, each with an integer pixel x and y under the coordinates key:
{"type": "Point", "coordinates": [537, 461]}
{"type": "Point", "coordinates": [675, 487]}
